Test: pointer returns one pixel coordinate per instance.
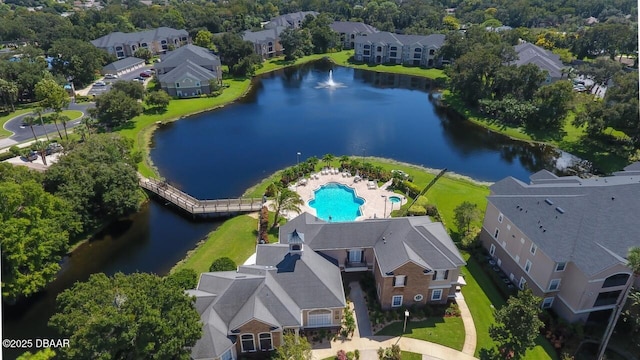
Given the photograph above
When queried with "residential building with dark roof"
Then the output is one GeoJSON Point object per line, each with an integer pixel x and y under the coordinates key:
{"type": "Point", "coordinates": [188, 71]}
{"type": "Point", "coordinates": [296, 285]}
{"type": "Point", "coordinates": [292, 20]}
{"type": "Point", "coordinates": [158, 41]}
{"type": "Point", "coordinates": [529, 53]}
{"type": "Point", "coordinates": [123, 66]}
{"type": "Point", "coordinates": [266, 43]}
{"type": "Point", "coordinates": [348, 30]}
{"type": "Point", "coordinates": [566, 238]}
{"type": "Point", "coordinates": [388, 48]}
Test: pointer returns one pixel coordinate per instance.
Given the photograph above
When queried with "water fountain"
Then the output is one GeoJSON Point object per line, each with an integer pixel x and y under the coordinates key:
{"type": "Point", "coordinates": [329, 84]}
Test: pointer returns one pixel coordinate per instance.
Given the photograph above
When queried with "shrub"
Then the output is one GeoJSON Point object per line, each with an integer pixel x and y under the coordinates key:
{"type": "Point", "coordinates": [432, 210]}
{"type": "Point", "coordinates": [412, 189]}
{"type": "Point", "coordinates": [422, 201]}
{"type": "Point", "coordinates": [357, 354]}
{"type": "Point", "coordinates": [184, 279]}
{"type": "Point", "coordinates": [350, 355]}
{"type": "Point", "coordinates": [453, 310]}
{"type": "Point", "coordinates": [223, 264]}
{"type": "Point", "coordinates": [416, 210]}
{"type": "Point", "coordinates": [14, 150]}
{"type": "Point", "coordinates": [342, 355]}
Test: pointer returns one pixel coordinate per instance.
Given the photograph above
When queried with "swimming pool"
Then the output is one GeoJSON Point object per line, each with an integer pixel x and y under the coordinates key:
{"type": "Point", "coordinates": [395, 199]}
{"type": "Point", "coordinates": [336, 203]}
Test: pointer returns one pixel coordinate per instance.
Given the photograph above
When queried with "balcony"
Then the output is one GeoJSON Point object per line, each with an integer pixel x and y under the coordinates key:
{"type": "Point", "coordinates": [352, 266]}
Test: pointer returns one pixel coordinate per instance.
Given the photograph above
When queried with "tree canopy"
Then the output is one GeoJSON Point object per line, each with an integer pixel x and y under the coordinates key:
{"type": "Point", "coordinates": [137, 316]}
{"type": "Point", "coordinates": [115, 108]}
{"type": "Point", "coordinates": [223, 264]}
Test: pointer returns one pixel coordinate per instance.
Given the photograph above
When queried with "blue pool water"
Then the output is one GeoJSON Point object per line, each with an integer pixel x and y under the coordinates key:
{"type": "Point", "coordinates": [394, 199]}
{"type": "Point", "coordinates": [336, 203]}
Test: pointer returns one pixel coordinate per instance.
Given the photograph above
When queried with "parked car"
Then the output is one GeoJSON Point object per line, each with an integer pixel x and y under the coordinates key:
{"type": "Point", "coordinates": [111, 76]}
{"type": "Point", "coordinates": [145, 74]}
{"type": "Point", "coordinates": [579, 88]}
{"type": "Point", "coordinates": [100, 83]}
{"type": "Point", "coordinates": [138, 79]}
{"type": "Point", "coordinates": [54, 148]}
{"type": "Point", "coordinates": [32, 155]}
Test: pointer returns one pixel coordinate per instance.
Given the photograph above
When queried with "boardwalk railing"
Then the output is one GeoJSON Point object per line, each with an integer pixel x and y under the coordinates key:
{"type": "Point", "coordinates": [196, 206]}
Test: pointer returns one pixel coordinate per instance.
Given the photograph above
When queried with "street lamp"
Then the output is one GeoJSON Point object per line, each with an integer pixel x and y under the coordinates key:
{"type": "Point", "coordinates": [406, 316]}
{"type": "Point", "coordinates": [384, 215]}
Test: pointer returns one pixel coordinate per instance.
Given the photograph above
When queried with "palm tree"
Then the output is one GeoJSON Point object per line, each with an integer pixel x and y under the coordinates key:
{"type": "Point", "coordinates": [39, 110]}
{"type": "Point", "coordinates": [328, 158]}
{"type": "Point", "coordinates": [285, 200]}
{"type": "Point", "coordinates": [89, 124]}
{"type": "Point", "coordinates": [55, 116]}
{"type": "Point", "coordinates": [42, 148]}
{"type": "Point", "coordinates": [64, 120]}
{"type": "Point", "coordinates": [633, 261]}
{"type": "Point", "coordinates": [312, 161]}
{"type": "Point", "coordinates": [29, 120]}
{"type": "Point", "coordinates": [344, 159]}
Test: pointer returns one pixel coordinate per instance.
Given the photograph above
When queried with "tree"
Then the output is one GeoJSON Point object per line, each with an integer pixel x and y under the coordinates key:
{"type": "Point", "coordinates": [51, 95]}
{"type": "Point", "coordinates": [204, 38]}
{"type": "Point", "coordinates": [223, 264]}
{"type": "Point", "coordinates": [184, 279]}
{"type": "Point", "coordinates": [553, 103]}
{"type": "Point", "coordinates": [98, 178]}
{"type": "Point", "coordinates": [158, 99]}
{"type": "Point", "coordinates": [296, 43]}
{"type": "Point", "coordinates": [115, 108]}
{"type": "Point", "coordinates": [30, 120]}
{"type": "Point", "coordinates": [622, 105]}
{"type": "Point", "coordinates": [293, 347]}
{"type": "Point", "coordinates": [133, 89]}
{"type": "Point", "coordinates": [39, 110]}
{"type": "Point", "coordinates": [322, 36]}
{"type": "Point", "coordinates": [465, 214]}
{"type": "Point", "coordinates": [391, 353]}
{"type": "Point", "coordinates": [137, 316]}
{"type": "Point", "coordinates": [78, 60]}
{"type": "Point", "coordinates": [44, 354]}
{"type": "Point", "coordinates": [237, 54]}
{"type": "Point", "coordinates": [55, 116]}
{"type": "Point", "coordinates": [143, 53]}
{"type": "Point", "coordinates": [9, 94]}
{"type": "Point", "coordinates": [517, 325]}
{"type": "Point", "coordinates": [285, 200]}
{"type": "Point", "coordinates": [328, 158]}
{"type": "Point", "coordinates": [34, 233]}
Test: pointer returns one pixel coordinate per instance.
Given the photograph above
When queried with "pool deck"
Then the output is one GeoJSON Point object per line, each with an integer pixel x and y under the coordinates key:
{"type": "Point", "coordinates": [374, 198]}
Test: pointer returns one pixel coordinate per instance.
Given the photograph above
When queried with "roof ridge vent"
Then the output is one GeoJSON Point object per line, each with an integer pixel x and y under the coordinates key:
{"type": "Point", "coordinates": [548, 201]}
{"type": "Point", "coordinates": [560, 210]}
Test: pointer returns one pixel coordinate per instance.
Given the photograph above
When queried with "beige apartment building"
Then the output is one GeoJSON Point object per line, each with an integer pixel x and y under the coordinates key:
{"type": "Point", "coordinates": [566, 238]}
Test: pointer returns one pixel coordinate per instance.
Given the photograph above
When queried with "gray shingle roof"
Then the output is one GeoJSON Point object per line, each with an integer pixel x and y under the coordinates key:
{"type": "Point", "coordinates": [190, 69]}
{"type": "Point", "coordinates": [263, 35]}
{"type": "Point", "coordinates": [390, 38]}
{"type": "Point", "coordinates": [148, 36]}
{"type": "Point", "coordinates": [395, 241]}
{"type": "Point", "coordinates": [196, 54]}
{"type": "Point", "coordinates": [546, 60]}
{"type": "Point", "coordinates": [122, 64]}
{"type": "Point", "coordinates": [352, 27]}
{"type": "Point", "coordinates": [289, 20]}
{"type": "Point", "coordinates": [590, 222]}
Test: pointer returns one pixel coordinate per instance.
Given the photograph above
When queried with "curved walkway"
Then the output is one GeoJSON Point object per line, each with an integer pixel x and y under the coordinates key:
{"type": "Point", "coordinates": [367, 344]}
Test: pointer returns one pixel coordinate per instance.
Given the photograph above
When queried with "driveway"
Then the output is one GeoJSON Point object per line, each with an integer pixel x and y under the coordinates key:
{"type": "Point", "coordinates": [93, 90]}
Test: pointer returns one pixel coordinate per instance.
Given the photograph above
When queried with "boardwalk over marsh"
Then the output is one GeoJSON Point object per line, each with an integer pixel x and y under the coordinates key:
{"type": "Point", "coordinates": [188, 203]}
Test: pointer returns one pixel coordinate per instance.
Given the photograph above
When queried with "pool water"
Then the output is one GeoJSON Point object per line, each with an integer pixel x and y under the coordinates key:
{"type": "Point", "coordinates": [394, 199]}
{"type": "Point", "coordinates": [336, 203]}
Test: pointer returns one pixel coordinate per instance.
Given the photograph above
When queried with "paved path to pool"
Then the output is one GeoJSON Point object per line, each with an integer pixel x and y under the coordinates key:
{"type": "Point", "coordinates": [377, 204]}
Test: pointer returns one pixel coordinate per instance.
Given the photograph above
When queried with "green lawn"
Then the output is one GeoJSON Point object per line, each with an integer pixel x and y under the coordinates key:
{"type": "Point", "coordinates": [407, 355]}
{"type": "Point", "coordinates": [481, 296]}
{"type": "Point", "coordinates": [342, 58]}
{"type": "Point", "coordinates": [448, 331]}
{"type": "Point", "coordinates": [235, 238]}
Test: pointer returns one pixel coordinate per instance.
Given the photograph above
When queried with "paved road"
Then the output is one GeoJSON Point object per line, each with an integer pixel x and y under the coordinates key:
{"type": "Point", "coordinates": [98, 90]}
{"type": "Point", "coordinates": [22, 133]}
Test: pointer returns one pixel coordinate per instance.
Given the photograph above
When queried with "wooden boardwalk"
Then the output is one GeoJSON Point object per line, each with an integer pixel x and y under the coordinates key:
{"type": "Point", "coordinates": [188, 203]}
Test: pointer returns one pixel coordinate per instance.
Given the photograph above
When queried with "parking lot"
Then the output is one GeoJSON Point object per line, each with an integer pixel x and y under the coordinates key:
{"type": "Point", "coordinates": [94, 90]}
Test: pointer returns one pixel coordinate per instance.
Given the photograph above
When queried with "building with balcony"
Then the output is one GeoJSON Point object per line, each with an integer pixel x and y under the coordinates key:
{"type": "Point", "coordinates": [566, 238]}
{"type": "Point", "coordinates": [388, 48]}
{"type": "Point", "coordinates": [348, 30]}
{"type": "Point", "coordinates": [189, 71]}
{"type": "Point", "coordinates": [158, 41]}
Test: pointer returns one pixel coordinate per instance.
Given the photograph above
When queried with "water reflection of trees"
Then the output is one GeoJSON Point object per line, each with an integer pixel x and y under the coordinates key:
{"type": "Point", "coordinates": [386, 80]}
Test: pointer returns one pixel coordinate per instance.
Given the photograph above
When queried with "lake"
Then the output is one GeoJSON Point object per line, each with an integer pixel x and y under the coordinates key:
{"type": "Point", "coordinates": [222, 153]}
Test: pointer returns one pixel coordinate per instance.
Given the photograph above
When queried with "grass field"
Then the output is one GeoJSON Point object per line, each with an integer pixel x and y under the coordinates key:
{"type": "Point", "coordinates": [447, 331]}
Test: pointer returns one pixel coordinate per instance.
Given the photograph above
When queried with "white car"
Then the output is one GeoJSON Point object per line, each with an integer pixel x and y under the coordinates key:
{"type": "Point", "coordinates": [100, 83]}
{"type": "Point", "coordinates": [111, 76]}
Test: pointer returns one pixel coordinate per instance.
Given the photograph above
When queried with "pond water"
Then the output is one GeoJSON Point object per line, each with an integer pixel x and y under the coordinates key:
{"type": "Point", "coordinates": [222, 153]}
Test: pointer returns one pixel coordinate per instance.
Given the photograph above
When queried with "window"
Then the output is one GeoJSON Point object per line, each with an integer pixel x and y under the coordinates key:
{"type": "Point", "coordinates": [163, 42]}
{"type": "Point", "coordinates": [336, 315]}
{"type": "Point", "coordinates": [616, 280]}
{"type": "Point", "coordinates": [144, 45]}
{"type": "Point", "coordinates": [522, 282]}
{"type": "Point", "coordinates": [527, 266]}
{"type": "Point", "coordinates": [417, 56]}
{"type": "Point", "coordinates": [118, 48]}
{"type": "Point", "coordinates": [418, 298]}
{"type": "Point", "coordinates": [500, 217]}
{"type": "Point", "coordinates": [432, 52]}
{"type": "Point", "coordinates": [533, 249]}
{"type": "Point", "coordinates": [607, 298]}
{"type": "Point", "coordinates": [399, 281]}
{"type": "Point", "coordinates": [355, 256]}
{"type": "Point", "coordinates": [265, 341]}
{"type": "Point", "coordinates": [492, 250]}
{"type": "Point", "coordinates": [554, 284]}
{"type": "Point", "coordinates": [496, 233]}
{"type": "Point", "coordinates": [177, 85]}
{"type": "Point", "coordinates": [393, 54]}
{"type": "Point", "coordinates": [396, 301]}
{"type": "Point", "coordinates": [446, 274]}
{"type": "Point", "coordinates": [319, 317]}
{"type": "Point", "coordinates": [367, 47]}
{"type": "Point", "coordinates": [435, 275]}
{"type": "Point", "coordinates": [418, 50]}
{"type": "Point", "coordinates": [379, 48]}
{"type": "Point", "coordinates": [366, 52]}
{"type": "Point", "coordinates": [436, 294]}
{"type": "Point", "coordinates": [560, 266]}
{"type": "Point", "coordinates": [547, 302]}
{"type": "Point", "coordinates": [246, 341]}
{"type": "Point", "coordinates": [228, 355]}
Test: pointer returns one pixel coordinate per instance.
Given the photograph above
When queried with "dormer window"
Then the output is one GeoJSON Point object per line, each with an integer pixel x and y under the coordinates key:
{"type": "Point", "coordinates": [295, 241]}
